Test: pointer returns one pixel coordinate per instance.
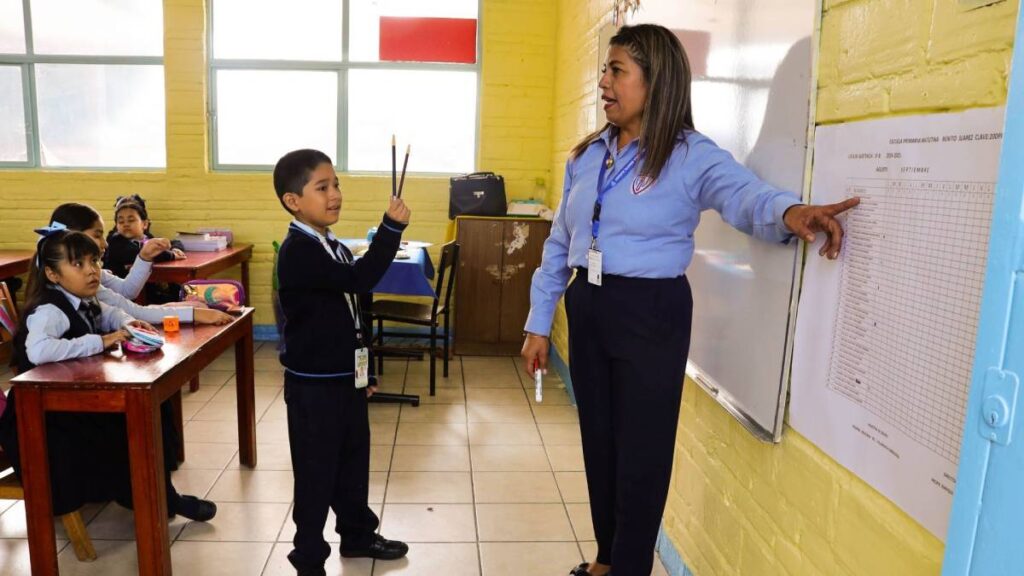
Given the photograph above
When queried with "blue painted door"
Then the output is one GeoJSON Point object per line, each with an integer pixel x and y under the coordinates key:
{"type": "Point", "coordinates": [987, 522]}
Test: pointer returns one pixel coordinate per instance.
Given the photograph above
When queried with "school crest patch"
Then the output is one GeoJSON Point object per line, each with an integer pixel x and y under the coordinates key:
{"type": "Point", "coordinates": [641, 184]}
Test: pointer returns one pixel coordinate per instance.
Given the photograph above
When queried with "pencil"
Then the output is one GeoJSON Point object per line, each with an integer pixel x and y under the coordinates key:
{"type": "Point", "coordinates": [401, 182]}
{"type": "Point", "coordinates": [394, 186]}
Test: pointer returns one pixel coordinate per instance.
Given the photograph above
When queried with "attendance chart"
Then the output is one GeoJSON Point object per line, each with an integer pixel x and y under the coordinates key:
{"type": "Point", "coordinates": [885, 335]}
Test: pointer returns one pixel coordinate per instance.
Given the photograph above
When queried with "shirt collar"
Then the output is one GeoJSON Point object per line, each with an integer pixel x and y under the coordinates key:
{"type": "Point", "coordinates": [309, 230]}
{"type": "Point", "coordinates": [74, 300]}
{"type": "Point", "coordinates": [610, 137]}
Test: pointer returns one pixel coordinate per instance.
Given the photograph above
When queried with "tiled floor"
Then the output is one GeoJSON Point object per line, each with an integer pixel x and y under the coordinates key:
{"type": "Point", "coordinates": [479, 479]}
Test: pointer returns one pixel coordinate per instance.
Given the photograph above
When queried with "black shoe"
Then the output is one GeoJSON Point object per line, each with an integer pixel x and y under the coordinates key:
{"type": "Point", "coordinates": [311, 571]}
{"type": "Point", "coordinates": [580, 570]}
{"type": "Point", "coordinates": [380, 549]}
{"type": "Point", "coordinates": [196, 509]}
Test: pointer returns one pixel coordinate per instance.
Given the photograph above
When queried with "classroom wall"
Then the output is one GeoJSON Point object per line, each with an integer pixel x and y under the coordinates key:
{"type": "Point", "coordinates": [738, 506]}
{"type": "Point", "coordinates": [517, 62]}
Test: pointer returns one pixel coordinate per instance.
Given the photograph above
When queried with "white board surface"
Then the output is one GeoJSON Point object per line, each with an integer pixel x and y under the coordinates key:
{"type": "Point", "coordinates": [752, 86]}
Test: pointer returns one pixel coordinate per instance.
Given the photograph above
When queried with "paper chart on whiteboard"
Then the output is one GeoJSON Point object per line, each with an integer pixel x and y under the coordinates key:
{"type": "Point", "coordinates": [885, 335]}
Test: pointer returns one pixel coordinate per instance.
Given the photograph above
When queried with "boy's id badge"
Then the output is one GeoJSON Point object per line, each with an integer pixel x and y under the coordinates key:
{"type": "Point", "coordinates": [362, 367]}
{"type": "Point", "coordinates": [594, 267]}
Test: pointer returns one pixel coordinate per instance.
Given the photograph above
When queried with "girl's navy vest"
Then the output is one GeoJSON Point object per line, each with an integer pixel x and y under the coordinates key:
{"type": "Point", "coordinates": [79, 327]}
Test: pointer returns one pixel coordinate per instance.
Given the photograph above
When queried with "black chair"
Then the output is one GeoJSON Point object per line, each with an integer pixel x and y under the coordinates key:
{"type": "Point", "coordinates": [420, 314]}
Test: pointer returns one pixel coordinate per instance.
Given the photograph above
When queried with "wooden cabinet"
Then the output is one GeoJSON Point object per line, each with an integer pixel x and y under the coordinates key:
{"type": "Point", "coordinates": [497, 258]}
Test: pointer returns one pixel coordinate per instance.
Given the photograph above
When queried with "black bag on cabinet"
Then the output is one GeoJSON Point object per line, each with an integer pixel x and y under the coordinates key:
{"type": "Point", "coordinates": [477, 194]}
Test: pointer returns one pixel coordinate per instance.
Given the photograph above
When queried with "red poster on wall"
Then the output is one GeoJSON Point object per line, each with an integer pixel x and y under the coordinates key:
{"type": "Point", "coordinates": [427, 39]}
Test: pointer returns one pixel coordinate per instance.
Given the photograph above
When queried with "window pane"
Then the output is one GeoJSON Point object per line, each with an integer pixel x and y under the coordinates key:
{"type": "Point", "coordinates": [435, 112]}
{"type": "Point", "coordinates": [12, 116]}
{"type": "Point", "coordinates": [101, 115]}
{"type": "Point", "coordinates": [98, 27]}
{"type": "Point", "coordinates": [364, 40]}
{"type": "Point", "coordinates": [262, 114]}
{"type": "Point", "coordinates": [12, 28]}
{"type": "Point", "coordinates": [268, 29]}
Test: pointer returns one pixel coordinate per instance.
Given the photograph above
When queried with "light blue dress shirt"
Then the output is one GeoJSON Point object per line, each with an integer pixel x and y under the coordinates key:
{"type": "Point", "coordinates": [46, 324]}
{"type": "Point", "coordinates": [131, 285]}
{"type": "Point", "coordinates": [647, 228]}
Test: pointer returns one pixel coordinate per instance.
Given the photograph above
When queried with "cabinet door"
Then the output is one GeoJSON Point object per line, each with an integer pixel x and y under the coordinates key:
{"type": "Point", "coordinates": [478, 288]}
{"type": "Point", "coordinates": [522, 247]}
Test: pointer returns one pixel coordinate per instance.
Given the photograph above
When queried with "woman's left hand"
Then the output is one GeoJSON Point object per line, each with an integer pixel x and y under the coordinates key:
{"type": "Point", "coordinates": [806, 221]}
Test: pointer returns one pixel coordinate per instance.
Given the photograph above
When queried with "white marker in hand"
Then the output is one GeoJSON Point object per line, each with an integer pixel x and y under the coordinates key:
{"type": "Point", "coordinates": [539, 391]}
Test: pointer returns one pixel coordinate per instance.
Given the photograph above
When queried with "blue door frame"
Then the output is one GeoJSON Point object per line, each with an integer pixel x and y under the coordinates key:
{"type": "Point", "coordinates": [986, 528]}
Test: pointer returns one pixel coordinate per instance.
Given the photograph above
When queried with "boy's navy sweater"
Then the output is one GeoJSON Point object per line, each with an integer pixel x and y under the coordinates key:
{"type": "Point", "coordinates": [319, 334]}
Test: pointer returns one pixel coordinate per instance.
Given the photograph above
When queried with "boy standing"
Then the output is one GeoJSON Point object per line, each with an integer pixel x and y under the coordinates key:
{"type": "Point", "coordinates": [326, 380]}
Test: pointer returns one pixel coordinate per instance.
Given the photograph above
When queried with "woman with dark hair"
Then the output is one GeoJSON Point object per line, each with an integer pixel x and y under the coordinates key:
{"type": "Point", "coordinates": [632, 198]}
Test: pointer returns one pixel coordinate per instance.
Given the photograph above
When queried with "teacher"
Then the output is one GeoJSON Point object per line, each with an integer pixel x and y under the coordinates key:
{"type": "Point", "coordinates": [633, 194]}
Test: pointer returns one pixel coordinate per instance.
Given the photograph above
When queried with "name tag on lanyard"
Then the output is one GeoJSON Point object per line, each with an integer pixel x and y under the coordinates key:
{"type": "Point", "coordinates": [362, 354]}
{"type": "Point", "coordinates": [594, 257]}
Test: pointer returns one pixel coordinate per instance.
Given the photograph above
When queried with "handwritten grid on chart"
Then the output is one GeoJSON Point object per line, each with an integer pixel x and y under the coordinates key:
{"type": "Point", "coordinates": [910, 295]}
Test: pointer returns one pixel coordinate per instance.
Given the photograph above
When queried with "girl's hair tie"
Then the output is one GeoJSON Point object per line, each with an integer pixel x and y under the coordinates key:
{"type": "Point", "coordinates": [44, 234]}
{"type": "Point", "coordinates": [50, 230]}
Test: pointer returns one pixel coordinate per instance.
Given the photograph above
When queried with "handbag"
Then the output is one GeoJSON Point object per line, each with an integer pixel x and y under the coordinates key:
{"type": "Point", "coordinates": [476, 194]}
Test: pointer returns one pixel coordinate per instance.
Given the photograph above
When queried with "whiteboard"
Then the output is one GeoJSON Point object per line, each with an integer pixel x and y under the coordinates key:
{"type": "Point", "coordinates": [752, 89]}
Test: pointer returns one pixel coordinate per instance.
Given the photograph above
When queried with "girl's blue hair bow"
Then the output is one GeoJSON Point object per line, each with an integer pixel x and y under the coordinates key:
{"type": "Point", "coordinates": [45, 233]}
{"type": "Point", "coordinates": [50, 230]}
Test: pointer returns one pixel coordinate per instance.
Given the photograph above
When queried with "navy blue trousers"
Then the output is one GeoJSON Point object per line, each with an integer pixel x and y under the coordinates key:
{"type": "Point", "coordinates": [628, 342]}
{"type": "Point", "coordinates": [329, 437]}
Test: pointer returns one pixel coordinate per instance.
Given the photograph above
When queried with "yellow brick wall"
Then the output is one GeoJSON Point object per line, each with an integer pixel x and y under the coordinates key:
{"type": "Point", "coordinates": [738, 506]}
{"type": "Point", "coordinates": [517, 61]}
{"type": "Point", "coordinates": [579, 23]}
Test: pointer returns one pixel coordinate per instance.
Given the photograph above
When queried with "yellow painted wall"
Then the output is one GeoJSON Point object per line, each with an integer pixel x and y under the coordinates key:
{"type": "Point", "coordinates": [738, 506]}
{"type": "Point", "coordinates": [518, 38]}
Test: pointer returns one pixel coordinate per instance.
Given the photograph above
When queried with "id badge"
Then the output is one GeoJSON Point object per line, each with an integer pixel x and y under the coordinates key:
{"type": "Point", "coordinates": [362, 367]}
{"type": "Point", "coordinates": [594, 267]}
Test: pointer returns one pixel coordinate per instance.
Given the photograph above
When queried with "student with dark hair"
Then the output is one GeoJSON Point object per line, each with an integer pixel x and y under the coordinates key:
{"type": "Point", "coordinates": [120, 292]}
{"type": "Point", "coordinates": [125, 242]}
{"type": "Point", "coordinates": [634, 191]}
{"type": "Point", "coordinates": [326, 378]}
{"type": "Point", "coordinates": [63, 319]}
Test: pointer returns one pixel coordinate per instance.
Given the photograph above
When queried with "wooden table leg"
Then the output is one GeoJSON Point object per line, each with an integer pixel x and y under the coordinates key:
{"type": "Point", "coordinates": [149, 494]}
{"type": "Point", "coordinates": [245, 280]}
{"type": "Point", "coordinates": [246, 393]}
{"type": "Point", "coordinates": [179, 424]}
{"type": "Point", "coordinates": [35, 477]}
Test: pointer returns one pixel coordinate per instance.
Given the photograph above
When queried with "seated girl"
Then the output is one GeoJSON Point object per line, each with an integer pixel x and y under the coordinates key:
{"type": "Point", "coordinates": [119, 292]}
{"type": "Point", "coordinates": [125, 242]}
{"type": "Point", "coordinates": [62, 320]}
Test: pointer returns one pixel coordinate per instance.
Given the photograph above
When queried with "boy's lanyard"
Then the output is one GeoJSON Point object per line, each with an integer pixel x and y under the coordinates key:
{"type": "Point", "coordinates": [603, 188]}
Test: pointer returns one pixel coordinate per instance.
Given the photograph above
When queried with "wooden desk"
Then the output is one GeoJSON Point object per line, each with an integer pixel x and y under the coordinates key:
{"type": "Point", "coordinates": [203, 265]}
{"type": "Point", "coordinates": [14, 262]}
{"type": "Point", "coordinates": [134, 385]}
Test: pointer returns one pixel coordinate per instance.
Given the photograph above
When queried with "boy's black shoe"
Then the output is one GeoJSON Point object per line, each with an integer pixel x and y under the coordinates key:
{"type": "Point", "coordinates": [311, 571]}
{"type": "Point", "coordinates": [196, 509]}
{"type": "Point", "coordinates": [380, 549]}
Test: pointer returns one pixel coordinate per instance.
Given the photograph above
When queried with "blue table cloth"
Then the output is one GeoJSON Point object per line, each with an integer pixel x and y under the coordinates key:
{"type": "Point", "coordinates": [411, 277]}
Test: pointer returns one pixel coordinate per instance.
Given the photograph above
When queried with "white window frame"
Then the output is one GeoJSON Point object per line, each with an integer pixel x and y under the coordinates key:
{"type": "Point", "coordinates": [27, 62]}
{"type": "Point", "coordinates": [342, 67]}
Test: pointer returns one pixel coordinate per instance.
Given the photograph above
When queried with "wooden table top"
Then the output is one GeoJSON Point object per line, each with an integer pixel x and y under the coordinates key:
{"type": "Point", "coordinates": [201, 264]}
{"type": "Point", "coordinates": [14, 262]}
{"type": "Point", "coordinates": [125, 369]}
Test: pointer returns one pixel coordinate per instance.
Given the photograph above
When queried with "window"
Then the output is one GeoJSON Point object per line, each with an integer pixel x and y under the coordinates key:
{"type": "Point", "coordinates": [342, 76]}
{"type": "Point", "coordinates": [82, 84]}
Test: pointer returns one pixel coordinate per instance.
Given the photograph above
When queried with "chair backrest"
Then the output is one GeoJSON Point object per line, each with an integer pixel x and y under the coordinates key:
{"type": "Point", "coordinates": [8, 324]}
{"type": "Point", "coordinates": [446, 269]}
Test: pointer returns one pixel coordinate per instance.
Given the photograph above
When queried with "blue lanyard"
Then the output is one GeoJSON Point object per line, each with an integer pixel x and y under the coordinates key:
{"type": "Point", "coordinates": [603, 188]}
